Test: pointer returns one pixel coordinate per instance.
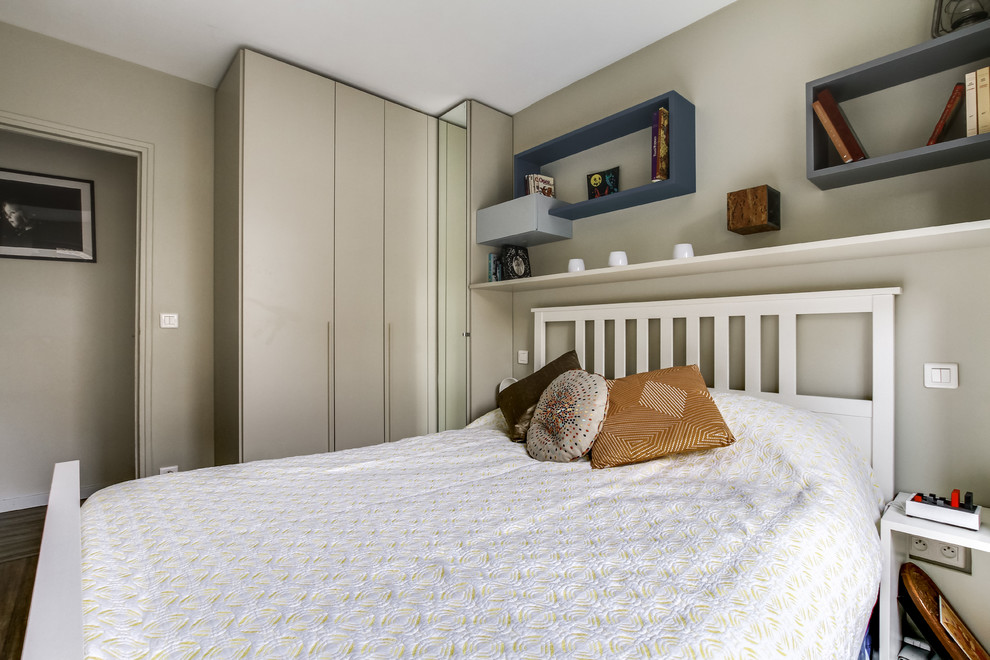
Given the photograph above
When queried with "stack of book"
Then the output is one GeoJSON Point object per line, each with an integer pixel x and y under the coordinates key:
{"type": "Point", "coordinates": [660, 167]}
{"type": "Point", "coordinates": [978, 101]}
{"type": "Point", "coordinates": [538, 183]}
{"type": "Point", "coordinates": [494, 267]}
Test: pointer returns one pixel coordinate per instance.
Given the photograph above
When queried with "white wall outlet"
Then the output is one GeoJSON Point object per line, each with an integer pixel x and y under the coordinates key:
{"type": "Point", "coordinates": [942, 374]}
{"type": "Point", "coordinates": [169, 321]}
{"type": "Point", "coordinates": [945, 554]}
{"type": "Point", "coordinates": [168, 470]}
{"type": "Point", "coordinates": [522, 357]}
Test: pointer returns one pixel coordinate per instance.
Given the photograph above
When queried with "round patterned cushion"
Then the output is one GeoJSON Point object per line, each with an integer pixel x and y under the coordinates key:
{"type": "Point", "coordinates": [568, 417]}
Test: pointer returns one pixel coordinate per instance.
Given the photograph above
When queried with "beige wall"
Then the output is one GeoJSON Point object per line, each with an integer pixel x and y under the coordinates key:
{"type": "Point", "coordinates": [55, 82]}
{"type": "Point", "coordinates": [745, 69]}
{"type": "Point", "coordinates": [67, 338]}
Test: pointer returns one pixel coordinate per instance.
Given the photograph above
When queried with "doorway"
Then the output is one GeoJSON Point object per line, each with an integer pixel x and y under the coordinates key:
{"type": "Point", "coordinates": [69, 350]}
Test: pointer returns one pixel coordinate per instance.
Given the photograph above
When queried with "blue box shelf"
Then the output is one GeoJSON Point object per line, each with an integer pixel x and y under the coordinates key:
{"type": "Point", "coordinates": [638, 117]}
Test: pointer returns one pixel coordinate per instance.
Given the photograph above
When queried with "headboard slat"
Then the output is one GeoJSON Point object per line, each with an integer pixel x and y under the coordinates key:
{"type": "Point", "coordinates": [579, 341]}
{"type": "Point", "coordinates": [692, 344]}
{"type": "Point", "coordinates": [642, 345]}
{"type": "Point", "coordinates": [721, 352]}
{"type": "Point", "coordinates": [666, 342]}
{"type": "Point", "coordinates": [599, 345]}
{"type": "Point", "coordinates": [619, 367]}
{"type": "Point", "coordinates": [754, 361]}
{"type": "Point", "coordinates": [787, 356]}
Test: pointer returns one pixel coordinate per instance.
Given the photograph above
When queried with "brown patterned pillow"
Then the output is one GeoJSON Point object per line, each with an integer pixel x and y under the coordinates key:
{"type": "Point", "coordinates": [518, 401]}
{"type": "Point", "coordinates": [658, 413]}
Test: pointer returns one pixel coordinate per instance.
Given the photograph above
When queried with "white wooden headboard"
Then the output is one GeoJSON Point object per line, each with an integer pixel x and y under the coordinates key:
{"type": "Point", "coordinates": [870, 421]}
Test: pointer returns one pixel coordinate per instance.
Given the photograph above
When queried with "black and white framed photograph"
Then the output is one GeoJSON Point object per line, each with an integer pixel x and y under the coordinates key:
{"type": "Point", "coordinates": [46, 217]}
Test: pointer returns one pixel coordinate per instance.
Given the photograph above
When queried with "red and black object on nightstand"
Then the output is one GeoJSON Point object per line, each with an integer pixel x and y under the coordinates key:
{"type": "Point", "coordinates": [949, 510]}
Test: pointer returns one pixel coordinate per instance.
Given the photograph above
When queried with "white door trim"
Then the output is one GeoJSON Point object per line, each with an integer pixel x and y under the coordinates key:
{"type": "Point", "coordinates": [145, 154]}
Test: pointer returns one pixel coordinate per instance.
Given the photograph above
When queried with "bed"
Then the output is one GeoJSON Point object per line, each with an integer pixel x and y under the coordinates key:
{"type": "Point", "coordinates": [459, 544]}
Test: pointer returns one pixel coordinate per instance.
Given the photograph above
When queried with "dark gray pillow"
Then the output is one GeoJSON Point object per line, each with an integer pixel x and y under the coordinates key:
{"type": "Point", "coordinates": [518, 401]}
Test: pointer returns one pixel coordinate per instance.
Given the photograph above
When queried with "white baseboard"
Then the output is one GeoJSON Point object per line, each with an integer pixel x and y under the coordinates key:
{"type": "Point", "coordinates": [41, 499]}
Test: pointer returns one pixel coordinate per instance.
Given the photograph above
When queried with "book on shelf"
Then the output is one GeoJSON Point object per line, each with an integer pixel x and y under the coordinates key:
{"type": "Point", "coordinates": [660, 167]}
{"type": "Point", "coordinates": [951, 107]}
{"type": "Point", "coordinates": [838, 129]}
{"type": "Point", "coordinates": [983, 100]}
{"type": "Point", "coordinates": [539, 183]}
{"type": "Point", "coordinates": [971, 114]}
{"type": "Point", "coordinates": [492, 267]}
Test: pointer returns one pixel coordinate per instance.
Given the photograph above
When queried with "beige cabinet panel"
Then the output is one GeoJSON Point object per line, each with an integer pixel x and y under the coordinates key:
{"type": "Point", "coordinates": [407, 314]}
{"type": "Point", "coordinates": [287, 258]}
{"type": "Point", "coordinates": [359, 297]}
{"type": "Point", "coordinates": [273, 271]}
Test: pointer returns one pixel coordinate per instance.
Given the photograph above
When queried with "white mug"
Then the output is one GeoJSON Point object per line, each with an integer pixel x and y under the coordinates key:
{"type": "Point", "coordinates": [683, 251]}
{"type": "Point", "coordinates": [618, 258]}
{"type": "Point", "coordinates": [575, 265]}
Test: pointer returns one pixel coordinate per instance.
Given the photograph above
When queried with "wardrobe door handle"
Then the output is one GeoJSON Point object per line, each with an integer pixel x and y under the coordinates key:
{"type": "Point", "coordinates": [388, 382]}
{"type": "Point", "coordinates": [330, 437]}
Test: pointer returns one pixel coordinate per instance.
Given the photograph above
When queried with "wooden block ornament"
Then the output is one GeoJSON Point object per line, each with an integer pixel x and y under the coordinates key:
{"type": "Point", "coordinates": [753, 210]}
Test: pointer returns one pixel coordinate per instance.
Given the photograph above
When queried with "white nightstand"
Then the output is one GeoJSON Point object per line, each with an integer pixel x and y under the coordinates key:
{"type": "Point", "coordinates": [895, 527]}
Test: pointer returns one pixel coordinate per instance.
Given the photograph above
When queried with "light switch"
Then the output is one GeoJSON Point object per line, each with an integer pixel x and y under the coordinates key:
{"type": "Point", "coordinates": [169, 321]}
{"type": "Point", "coordinates": [523, 357]}
{"type": "Point", "coordinates": [942, 374]}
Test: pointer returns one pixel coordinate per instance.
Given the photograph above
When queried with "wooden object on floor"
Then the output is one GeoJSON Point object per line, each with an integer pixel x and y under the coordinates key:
{"type": "Point", "coordinates": [923, 602]}
{"type": "Point", "coordinates": [17, 578]}
{"type": "Point", "coordinates": [20, 540]}
{"type": "Point", "coordinates": [20, 533]}
{"type": "Point", "coordinates": [753, 210]}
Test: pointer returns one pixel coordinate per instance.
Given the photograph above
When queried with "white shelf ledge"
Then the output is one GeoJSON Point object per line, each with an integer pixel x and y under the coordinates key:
{"type": "Point", "coordinates": [908, 241]}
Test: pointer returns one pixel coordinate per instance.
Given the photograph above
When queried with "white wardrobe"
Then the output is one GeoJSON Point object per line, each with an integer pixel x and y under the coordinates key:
{"type": "Point", "coordinates": [325, 265]}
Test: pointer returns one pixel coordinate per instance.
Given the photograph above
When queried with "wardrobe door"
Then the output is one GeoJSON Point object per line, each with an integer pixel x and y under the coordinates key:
{"type": "Point", "coordinates": [287, 258]}
{"type": "Point", "coordinates": [407, 271]}
{"type": "Point", "coordinates": [359, 299]}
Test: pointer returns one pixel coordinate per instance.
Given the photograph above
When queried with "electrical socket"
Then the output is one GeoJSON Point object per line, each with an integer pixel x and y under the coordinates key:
{"type": "Point", "coordinates": [168, 470]}
{"type": "Point", "coordinates": [945, 554]}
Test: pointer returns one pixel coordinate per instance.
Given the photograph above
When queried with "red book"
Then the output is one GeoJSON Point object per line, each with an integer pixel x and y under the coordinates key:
{"type": "Point", "coordinates": [838, 130]}
{"type": "Point", "coordinates": [955, 100]}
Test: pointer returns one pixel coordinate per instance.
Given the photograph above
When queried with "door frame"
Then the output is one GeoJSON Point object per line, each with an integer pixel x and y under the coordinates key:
{"type": "Point", "coordinates": [144, 152]}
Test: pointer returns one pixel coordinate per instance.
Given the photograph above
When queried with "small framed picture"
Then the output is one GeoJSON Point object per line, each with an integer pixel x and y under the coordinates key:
{"type": "Point", "coordinates": [46, 217]}
{"type": "Point", "coordinates": [603, 183]}
{"type": "Point", "coordinates": [515, 262]}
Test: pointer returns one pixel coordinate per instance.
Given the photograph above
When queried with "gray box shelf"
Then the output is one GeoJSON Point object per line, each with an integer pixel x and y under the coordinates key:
{"type": "Point", "coordinates": [965, 46]}
{"type": "Point", "coordinates": [522, 221]}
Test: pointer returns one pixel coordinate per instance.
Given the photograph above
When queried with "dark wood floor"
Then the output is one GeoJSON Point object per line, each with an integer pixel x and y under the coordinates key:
{"type": "Point", "coordinates": [20, 540]}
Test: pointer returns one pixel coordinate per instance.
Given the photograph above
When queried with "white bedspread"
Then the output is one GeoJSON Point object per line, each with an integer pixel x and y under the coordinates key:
{"type": "Point", "coordinates": [460, 545]}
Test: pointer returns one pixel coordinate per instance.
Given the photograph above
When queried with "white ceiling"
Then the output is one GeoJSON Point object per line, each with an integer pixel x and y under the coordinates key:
{"type": "Point", "coordinates": [427, 54]}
